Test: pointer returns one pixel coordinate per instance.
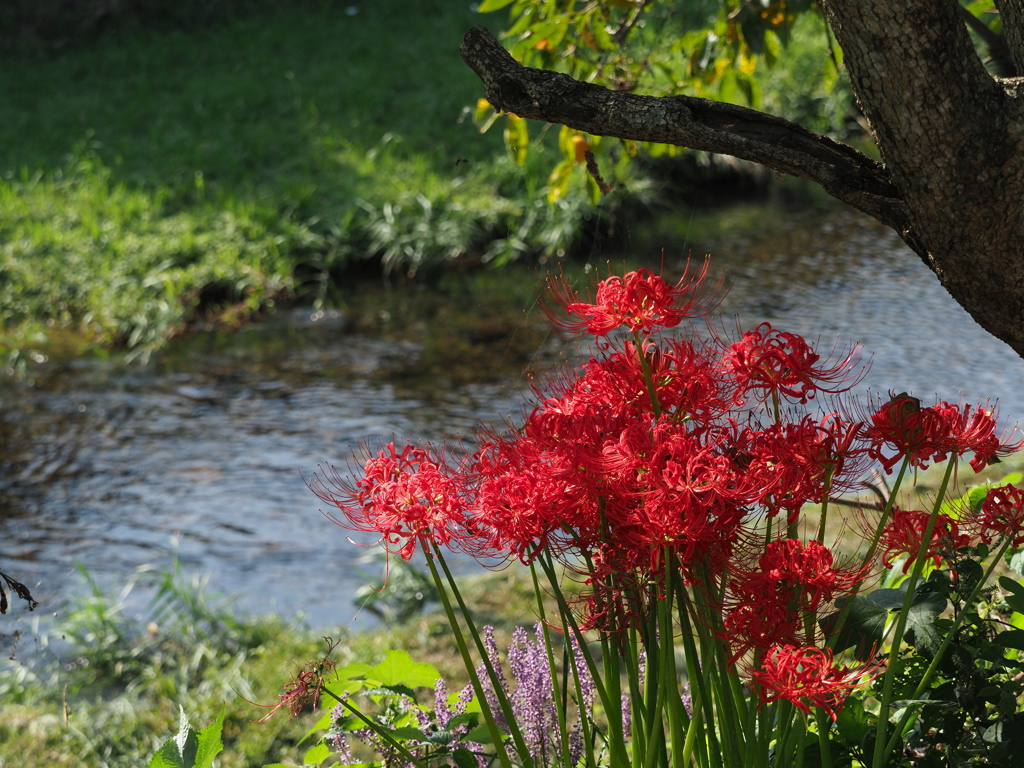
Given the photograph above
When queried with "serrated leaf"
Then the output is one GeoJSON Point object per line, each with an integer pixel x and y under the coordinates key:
{"type": "Point", "coordinates": [398, 668]}
{"type": "Point", "coordinates": [209, 742]}
{"type": "Point", "coordinates": [481, 735]}
{"type": "Point", "coordinates": [357, 671]}
{"type": "Point", "coordinates": [464, 758]}
{"type": "Point", "coordinates": [1015, 559]}
{"type": "Point", "coordinates": [316, 755]}
{"type": "Point", "coordinates": [921, 631]}
{"type": "Point", "coordinates": [469, 718]}
{"type": "Point", "coordinates": [890, 599]}
{"type": "Point", "coordinates": [406, 733]}
{"type": "Point", "coordinates": [852, 721]}
{"type": "Point", "coordinates": [180, 750]}
{"type": "Point", "coordinates": [970, 573]}
{"type": "Point", "coordinates": [863, 629]}
{"type": "Point", "coordinates": [390, 690]}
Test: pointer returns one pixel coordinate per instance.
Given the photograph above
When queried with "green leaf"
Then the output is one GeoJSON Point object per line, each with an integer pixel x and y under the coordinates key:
{"type": "Point", "coordinates": [891, 599]}
{"type": "Point", "coordinates": [398, 668]}
{"type": "Point", "coordinates": [357, 671]}
{"type": "Point", "coordinates": [180, 750]}
{"type": "Point", "coordinates": [972, 500]}
{"type": "Point", "coordinates": [517, 138]}
{"type": "Point", "coordinates": [316, 755]}
{"type": "Point", "coordinates": [921, 630]}
{"type": "Point", "coordinates": [1015, 559]}
{"type": "Point", "coordinates": [492, 5]}
{"type": "Point", "coordinates": [970, 573]}
{"type": "Point", "coordinates": [863, 628]}
{"type": "Point", "coordinates": [558, 183]}
{"type": "Point", "coordinates": [1016, 597]}
{"type": "Point", "coordinates": [1013, 478]}
{"type": "Point", "coordinates": [852, 721]}
{"type": "Point", "coordinates": [481, 735]}
{"type": "Point", "coordinates": [1011, 638]}
{"type": "Point", "coordinates": [210, 744]}
{"type": "Point", "coordinates": [406, 733]}
{"type": "Point", "coordinates": [464, 758]}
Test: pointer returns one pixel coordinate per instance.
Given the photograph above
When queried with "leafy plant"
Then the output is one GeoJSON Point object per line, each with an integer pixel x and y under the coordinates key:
{"type": "Point", "coordinates": [672, 502]}
{"type": "Point", "coordinates": [189, 749]}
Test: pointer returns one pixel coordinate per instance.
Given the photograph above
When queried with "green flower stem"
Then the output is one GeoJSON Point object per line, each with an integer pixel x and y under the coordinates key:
{"type": "Point", "coordinates": [889, 680]}
{"type": "Point", "coordinates": [728, 692]}
{"type": "Point", "coordinates": [764, 732]}
{"type": "Point", "coordinates": [560, 704]}
{"type": "Point", "coordinates": [698, 672]}
{"type": "Point", "coordinates": [639, 711]}
{"type": "Point", "coordinates": [616, 747]}
{"type": "Point", "coordinates": [679, 721]}
{"type": "Point", "coordinates": [703, 708]}
{"type": "Point", "coordinates": [467, 660]}
{"type": "Point", "coordinates": [826, 490]}
{"type": "Point", "coordinates": [613, 681]}
{"type": "Point", "coordinates": [638, 343]}
{"type": "Point", "coordinates": [910, 715]}
{"type": "Point", "coordinates": [376, 728]}
{"type": "Point", "coordinates": [869, 556]}
{"type": "Point", "coordinates": [824, 723]}
{"type": "Point", "coordinates": [499, 691]}
{"type": "Point", "coordinates": [785, 714]}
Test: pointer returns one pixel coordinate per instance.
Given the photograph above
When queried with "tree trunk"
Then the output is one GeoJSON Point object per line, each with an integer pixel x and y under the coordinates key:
{"type": "Point", "coordinates": [952, 184]}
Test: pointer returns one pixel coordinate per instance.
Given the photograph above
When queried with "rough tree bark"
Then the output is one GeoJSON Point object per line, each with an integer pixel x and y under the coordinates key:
{"type": "Point", "coordinates": [952, 184]}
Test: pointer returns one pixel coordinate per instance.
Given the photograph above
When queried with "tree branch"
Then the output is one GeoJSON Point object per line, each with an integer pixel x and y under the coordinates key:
{"type": "Point", "coordinates": [684, 121]}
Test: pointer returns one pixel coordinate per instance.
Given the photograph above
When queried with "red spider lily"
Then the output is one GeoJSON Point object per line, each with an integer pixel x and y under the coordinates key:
{"type": "Point", "coordinates": [525, 501]}
{"type": "Point", "coordinates": [791, 581]}
{"type": "Point", "coordinates": [904, 533]}
{"type": "Point", "coordinates": [403, 495]}
{"type": "Point", "coordinates": [304, 689]}
{"type": "Point", "coordinates": [782, 364]}
{"type": "Point", "coordinates": [919, 434]}
{"type": "Point", "coordinates": [639, 301]}
{"type": "Point", "coordinates": [1002, 514]}
{"type": "Point", "coordinates": [806, 461]}
{"type": "Point", "coordinates": [975, 431]}
{"type": "Point", "coordinates": [757, 624]}
{"type": "Point", "coordinates": [806, 677]}
{"type": "Point", "coordinates": [805, 568]}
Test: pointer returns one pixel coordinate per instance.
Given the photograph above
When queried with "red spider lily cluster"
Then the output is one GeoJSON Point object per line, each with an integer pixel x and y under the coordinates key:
{"type": "Point", "coordinates": [691, 456]}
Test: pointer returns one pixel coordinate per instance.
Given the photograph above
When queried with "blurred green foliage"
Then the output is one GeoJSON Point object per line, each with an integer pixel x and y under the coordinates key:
{"type": "Point", "coordinates": [165, 177]}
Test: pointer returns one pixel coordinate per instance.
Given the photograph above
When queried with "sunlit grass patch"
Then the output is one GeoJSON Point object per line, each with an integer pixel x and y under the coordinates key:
{"type": "Point", "coordinates": [153, 179]}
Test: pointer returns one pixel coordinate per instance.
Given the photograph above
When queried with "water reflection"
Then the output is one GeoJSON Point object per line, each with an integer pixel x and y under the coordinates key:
{"type": "Point", "coordinates": [201, 455]}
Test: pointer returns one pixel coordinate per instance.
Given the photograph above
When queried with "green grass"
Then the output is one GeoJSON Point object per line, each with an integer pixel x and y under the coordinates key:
{"type": "Point", "coordinates": [155, 176]}
{"type": "Point", "coordinates": [109, 697]}
{"type": "Point", "coordinates": [150, 178]}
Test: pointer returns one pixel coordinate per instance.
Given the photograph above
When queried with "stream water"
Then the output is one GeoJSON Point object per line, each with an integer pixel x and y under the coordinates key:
{"type": "Point", "coordinates": [200, 455]}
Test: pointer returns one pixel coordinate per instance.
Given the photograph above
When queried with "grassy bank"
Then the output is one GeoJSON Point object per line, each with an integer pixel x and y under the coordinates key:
{"type": "Point", "coordinates": [161, 172]}
{"type": "Point", "coordinates": [101, 688]}
{"type": "Point", "coordinates": [153, 178]}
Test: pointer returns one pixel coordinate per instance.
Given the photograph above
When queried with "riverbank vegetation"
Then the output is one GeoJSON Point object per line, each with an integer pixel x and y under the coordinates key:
{"type": "Point", "coordinates": [101, 685]}
{"type": "Point", "coordinates": [153, 179]}
{"type": "Point", "coordinates": [158, 172]}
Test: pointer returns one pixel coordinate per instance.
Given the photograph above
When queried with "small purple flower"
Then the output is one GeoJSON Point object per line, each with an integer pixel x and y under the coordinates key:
{"type": "Point", "coordinates": [687, 700]}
